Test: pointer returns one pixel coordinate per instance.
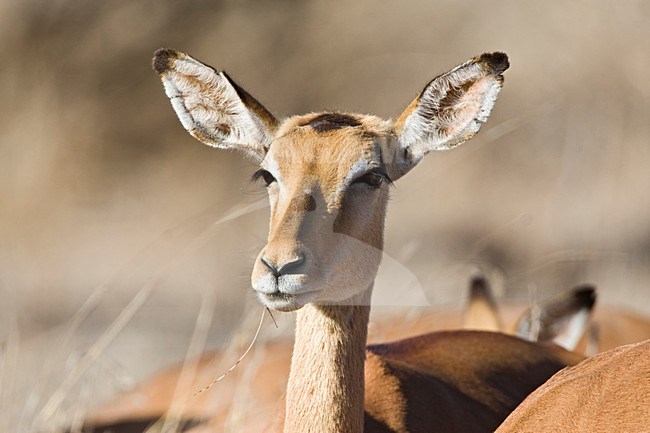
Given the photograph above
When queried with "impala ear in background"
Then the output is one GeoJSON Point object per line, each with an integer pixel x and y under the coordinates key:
{"type": "Point", "coordinates": [481, 312]}
{"type": "Point", "coordinates": [212, 107]}
{"type": "Point", "coordinates": [562, 320]}
{"type": "Point", "coordinates": [449, 111]}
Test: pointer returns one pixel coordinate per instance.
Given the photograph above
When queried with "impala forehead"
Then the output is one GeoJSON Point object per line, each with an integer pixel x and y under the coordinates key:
{"type": "Point", "coordinates": [332, 159]}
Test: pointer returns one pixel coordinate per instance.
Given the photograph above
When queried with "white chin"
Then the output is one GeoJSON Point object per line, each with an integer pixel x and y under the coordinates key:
{"type": "Point", "coordinates": [286, 302]}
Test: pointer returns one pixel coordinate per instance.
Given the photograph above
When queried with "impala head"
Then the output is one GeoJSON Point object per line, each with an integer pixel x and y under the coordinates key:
{"type": "Point", "coordinates": [327, 174]}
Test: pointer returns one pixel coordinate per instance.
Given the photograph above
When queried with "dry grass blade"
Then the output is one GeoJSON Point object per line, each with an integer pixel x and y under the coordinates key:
{"type": "Point", "coordinates": [236, 418]}
{"type": "Point", "coordinates": [188, 372]}
{"type": "Point", "coordinates": [92, 355]}
{"type": "Point", "coordinates": [272, 318]}
{"type": "Point", "coordinates": [8, 365]}
{"type": "Point", "coordinates": [250, 346]}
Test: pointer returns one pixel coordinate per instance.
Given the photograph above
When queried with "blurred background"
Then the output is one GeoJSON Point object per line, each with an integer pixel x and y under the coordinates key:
{"type": "Point", "coordinates": [118, 230]}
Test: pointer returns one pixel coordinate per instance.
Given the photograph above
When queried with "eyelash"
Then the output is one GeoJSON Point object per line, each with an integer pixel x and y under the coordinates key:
{"type": "Point", "coordinates": [265, 175]}
{"type": "Point", "coordinates": [374, 178]}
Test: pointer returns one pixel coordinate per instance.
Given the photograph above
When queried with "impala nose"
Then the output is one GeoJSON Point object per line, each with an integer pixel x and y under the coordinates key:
{"type": "Point", "coordinates": [290, 267]}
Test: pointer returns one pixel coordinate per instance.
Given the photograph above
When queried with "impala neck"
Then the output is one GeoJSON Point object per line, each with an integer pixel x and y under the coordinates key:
{"type": "Point", "coordinates": [326, 386]}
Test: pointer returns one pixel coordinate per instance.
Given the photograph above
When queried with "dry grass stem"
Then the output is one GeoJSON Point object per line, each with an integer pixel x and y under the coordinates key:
{"type": "Point", "coordinates": [250, 346]}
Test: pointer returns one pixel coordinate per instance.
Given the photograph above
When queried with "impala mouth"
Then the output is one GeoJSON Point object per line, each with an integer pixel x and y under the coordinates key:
{"type": "Point", "coordinates": [285, 302]}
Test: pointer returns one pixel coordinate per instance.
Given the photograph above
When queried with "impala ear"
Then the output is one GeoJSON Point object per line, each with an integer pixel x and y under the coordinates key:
{"type": "Point", "coordinates": [481, 311]}
{"type": "Point", "coordinates": [212, 107]}
{"type": "Point", "coordinates": [562, 320]}
{"type": "Point", "coordinates": [449, 111]}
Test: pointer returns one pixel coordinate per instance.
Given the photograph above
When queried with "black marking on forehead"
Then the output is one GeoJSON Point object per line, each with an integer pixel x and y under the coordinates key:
{"type": "Point", "coordinates": [330, 121]}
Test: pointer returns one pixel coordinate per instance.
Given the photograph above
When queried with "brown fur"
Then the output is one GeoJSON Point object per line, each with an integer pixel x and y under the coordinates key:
{"type": "Point", "coordinates": [447, 382]}
{"type": "Point", "coordinates": [269, 121]}
{"type": "Point", "coordinates": [615, 327]}
{"type": "Point", "coordinates": [607, 393]}
{"type": "Point", "coordinates": [456, 381]}
{"type": "Point", "coordinates": [330, 229]}
{"type": "Point", "coordinates": [463, 381]}
{"type": "Point", "coordinates": [497, 62]}
{"type": "Point", "coordinates": [329, 121]}
{"type": "Point", "coordinates": [161, 58]}
{"type": "Point", "coordinates": [152, 398]}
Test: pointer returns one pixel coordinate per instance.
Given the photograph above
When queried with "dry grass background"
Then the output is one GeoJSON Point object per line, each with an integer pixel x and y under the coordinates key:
{"type": "Point", "coordinates": [103, 193]}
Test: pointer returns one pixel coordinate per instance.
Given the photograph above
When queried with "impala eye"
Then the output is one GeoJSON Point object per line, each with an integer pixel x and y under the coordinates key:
{"type": "Point", "coordinates": [263, 174]}
{"type": "Point", "coordinates": [373, 179]}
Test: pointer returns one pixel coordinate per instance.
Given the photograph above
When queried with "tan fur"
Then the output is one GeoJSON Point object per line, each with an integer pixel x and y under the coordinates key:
{"type": "Point", "coordinates": [445, 382]}
{"type": "Point", "coordinates": [212, 107]}
{"type": "Point", "coordinates": [457, 377]}
{"type": "Point", "coordinates": [607, 393]}
{"type": "Point", "coordinates": [481, 316]}
{"type": "Point", "coordinates": [615, 327]}
{"type": "Point", "coordinates": [265, 371]}
{"type": "Point", "coordinates": [330, 397]}
{"type": "Point", "coordinates": [482, 312]}
{"type": "Point", "coordinates": [266, 377]}
{"type": "Point", "coordinates": [324, 248]}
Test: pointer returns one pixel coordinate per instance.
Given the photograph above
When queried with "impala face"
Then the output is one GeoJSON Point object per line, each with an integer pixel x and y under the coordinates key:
{"type": "Point", "coordinates": [327, 174]}
{"type": "Point", "coordinates": [328, 187]}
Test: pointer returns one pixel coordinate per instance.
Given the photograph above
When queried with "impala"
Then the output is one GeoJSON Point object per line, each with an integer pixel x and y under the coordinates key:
{"type": "Point", "coordinates": [264, 377]}
{"type": "Point", "coordinates": [328, 177]}
{"type": "Point", "coordinates": [607, 393]}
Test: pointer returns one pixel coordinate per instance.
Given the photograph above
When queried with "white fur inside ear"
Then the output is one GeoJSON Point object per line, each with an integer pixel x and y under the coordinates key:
{"type": "Point", "coordinates": [210, 109]}
{"type": "Point", "coordinates": [451, 109]}
{"type": "Point", "coordinates": [573, 330]}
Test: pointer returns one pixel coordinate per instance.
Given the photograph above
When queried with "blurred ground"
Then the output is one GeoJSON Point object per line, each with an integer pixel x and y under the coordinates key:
{"type": "Point", "coordinates": [102, 192]}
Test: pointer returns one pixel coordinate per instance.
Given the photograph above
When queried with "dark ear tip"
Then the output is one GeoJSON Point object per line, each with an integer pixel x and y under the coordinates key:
{"type": "Point", "coordinates": [585, 295]}
{"type": "Point", "coordinates": [479, 286]}
{"type": "Point", "coordinates": [497, 62]}
{"type": "Point", "coordinates": [161, 59]}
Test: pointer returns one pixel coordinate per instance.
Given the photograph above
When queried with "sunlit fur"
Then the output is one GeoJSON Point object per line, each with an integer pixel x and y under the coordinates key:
{"type": "Point", "coordinates": [212, 107]}
{"type": "Point", "coordinates": [328, 230]}
{"type": "Point", "coordinates": [317, 211]}
{"type": "Point", "coordinates": [152, 399]}
{"type": "Point", "coordinates": [607, 393]}
{"type": "Point", "coordinates": [450, 110]}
